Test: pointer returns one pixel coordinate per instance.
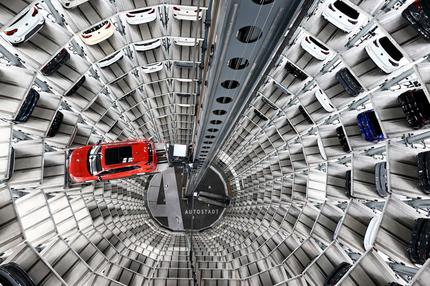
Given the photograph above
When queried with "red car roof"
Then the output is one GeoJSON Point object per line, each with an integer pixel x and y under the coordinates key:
{"type": "Point", "coordinates": [113, 156]}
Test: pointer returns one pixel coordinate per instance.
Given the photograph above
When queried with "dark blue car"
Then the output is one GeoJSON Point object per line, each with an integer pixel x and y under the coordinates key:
{"type": "Point", "coordinates": [27, 106]}
{"type": "Point", "coordinates": [369, 126]}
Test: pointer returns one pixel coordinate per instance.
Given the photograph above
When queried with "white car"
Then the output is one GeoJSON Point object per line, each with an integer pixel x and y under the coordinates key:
{"type": "Point", "coordinates": [111, 59]}
{"type": "Point", "coordinates": [72, 3]}
{"type": "Point", "coordinates": [342, 15]}
{"type": "Point", "coordinates": [385, 54]}
{"type": "Point", "coordinates": [25, 26]}
{"type": "Point", "coordinates": [372, 230]}
{"type": "Point", "coordinates": [141, 16]}
{"type": "Point", "coordinates": [151, 68]}
{"type": "Point", "coordinates": [188, 13]}
{"type": "Point", "coordinates": [186, 42]}
{"type": "Point", "coordinates": [147, 45]}
{"type": "Point", "coordinates": [315, 48]}
{"type": "Point", "coordinates": [98, 33]}
{"type": "Point", "coordinates": [324, 100]}
{"type": "Point", "coordinates": [321, 147]}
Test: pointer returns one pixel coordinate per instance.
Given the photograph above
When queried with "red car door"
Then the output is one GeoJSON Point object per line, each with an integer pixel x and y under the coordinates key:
{"type": "Point", "coordinates": [119, 173]}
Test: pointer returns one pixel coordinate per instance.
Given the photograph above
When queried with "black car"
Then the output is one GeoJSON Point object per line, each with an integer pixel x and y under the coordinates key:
{"type": "Point", "coordinates": [11, 274]}
{"type": "Point", "coordinates": [56, 62]}
{"type": "Point", "coordinates": [418, 15]}
{"type": "Point", "coordinates": [295, 71]}
{"type": "Point", "coordinates": [418, 248]}
{"type": "Point", "coordinates": [342, 139]}
{"type": "Point", "coordinates": [58, 118]}
{"type": "Point", "coordinates": [76, 86]}
{"type": "Point", "coordinates": [348, 183]}
{"type": "Point", "coordinates": [27, 106]}
{"type": "Point", "coordinates": [416, 107]}
{"type": "Point", "coordinates": [381, 179]}
{"type": "Point", "coordinates": [337, 274]}
{"type": "Point", "coordinates": [305, 114]}
{"type": "Point", "coordinates": [349, 82]}
{"type": "Point", "coordinates": [423, 167]}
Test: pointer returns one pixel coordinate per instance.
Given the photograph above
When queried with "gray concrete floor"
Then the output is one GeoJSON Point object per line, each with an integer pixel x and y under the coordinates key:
{"type": "Point", "coordinates": [165, 203]}
{"type": "Point", "coordinates": [170, 207]}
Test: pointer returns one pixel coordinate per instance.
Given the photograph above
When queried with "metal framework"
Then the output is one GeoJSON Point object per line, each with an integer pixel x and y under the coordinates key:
{"type": "Point", "coordinates": [244, 32]}
{"type": "Point", "coordinates": [305, 185]}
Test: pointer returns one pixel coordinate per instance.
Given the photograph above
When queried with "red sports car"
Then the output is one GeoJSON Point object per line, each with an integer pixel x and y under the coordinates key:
{"type": "Point", "coordinates": [109, 161]}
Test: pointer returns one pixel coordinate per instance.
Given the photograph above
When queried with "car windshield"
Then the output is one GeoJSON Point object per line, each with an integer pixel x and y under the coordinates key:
{"type": "Point", "coordinates": [291, 68]}
{"type": "Point", "coordinates": [95, 28]}
{"type": "Point", "coordinates": [313, 40]}
{"type": "Point", "coordinates": [390, 48]}
{"type": "Point", "coordinates": [140, 11]}
{"type": "Point", "coordinates": [346, 9]}
{"type": "Point", "coordinates": [149, 153]}
{"type": "Point", "coordinates": [374, 122]}
{"type": "Point", "coordinates": [94, 160]}
{"type": "Point", "coordinates": [117, 155]}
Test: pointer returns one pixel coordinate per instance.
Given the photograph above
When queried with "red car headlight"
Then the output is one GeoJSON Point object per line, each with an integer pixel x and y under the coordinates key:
{"type": "Point", "coordinates": [35, 11]}
{"type": "Point", "coordinates": [11, 32]}
{"type": "Point", "coordinates": [393, 63]}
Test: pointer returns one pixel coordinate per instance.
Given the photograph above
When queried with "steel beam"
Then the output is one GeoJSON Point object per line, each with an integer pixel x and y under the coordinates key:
{"type": "Point", "coordinates": [274, 20]}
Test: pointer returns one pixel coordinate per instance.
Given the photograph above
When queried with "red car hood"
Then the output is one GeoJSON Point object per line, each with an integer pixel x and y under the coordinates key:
{"type": "Point", "coordinates": [78, 164]}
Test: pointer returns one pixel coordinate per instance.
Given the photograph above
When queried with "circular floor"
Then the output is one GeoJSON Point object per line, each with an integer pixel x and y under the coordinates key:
{"type": "Point", "coordinates": [171, 210]}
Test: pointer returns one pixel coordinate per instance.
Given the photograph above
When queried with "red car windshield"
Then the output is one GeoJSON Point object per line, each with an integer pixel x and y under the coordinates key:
{"type": "Point", "coordinates": [149, 153]}
{"type": "Point", "coordinates": [94, 160]}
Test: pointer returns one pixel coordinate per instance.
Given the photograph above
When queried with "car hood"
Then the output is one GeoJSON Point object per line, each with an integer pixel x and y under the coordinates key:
{"type": "Point", "coordinates": [78, 162]}
{"type": "Point", "coordinates": [140, 152]}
